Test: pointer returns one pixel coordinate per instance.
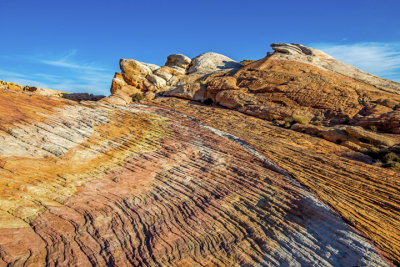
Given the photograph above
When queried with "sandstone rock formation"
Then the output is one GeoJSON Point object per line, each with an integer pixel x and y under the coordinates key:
{"type": "Point", "coordinates": [293, 84]}
{"type": "Point", "coordinates": [178, 61]}
{"type": "Point", "coordinates": [170, 78]}
{"type": "Point", "coordinates": [292, 159]}
{"type": "Point", "coordinates": [150, 186]}
{"type": "Point", "coordinates": [32, 89]}
{"type": "Point", "coordinates": [304, 88]}
{"type": "Point", "coordinates": [277, 87]}
{"type": "Point", "coordinates": [366, 196]}
{"type": "Point", "coordinates": [134, 72]}
{"type": "Point", "coordinates": [315, 57]}
{"type": "Point", "coordinates": [388, 121]}
{"type": "Point", "coordinates": [211, 62]}
{"type": "Point", "coordinates": [353, 137]}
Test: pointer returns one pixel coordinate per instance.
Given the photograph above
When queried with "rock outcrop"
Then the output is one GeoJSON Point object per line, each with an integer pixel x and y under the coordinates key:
{"type": "Point", "coordinates": [142, 185]}
{"type": "Point", "coordinates": [82, 97]}
{"type": "Point", "coordinates": [288, 161]}
{"type": "Point", "coordinates": [276, 87]}
{"type": "Point", "coordinates": [50, 92]}
{"type": "Point", "coordinates": [211, 62]}
{"type": "Point", "coordinates": [366, 196]}
{"type": "Point", "coordinates": [294, 84]}
{"type": "Point", "coordinates": [315, 57]}
{"type": "Point", "coordinates": [135, 72]}
{"type": "Point", "coordinates": [388, 121]}
{"type": "Point", "coordinates": [181, 62]}
{"type": "Point", "coordinates": [177, 78]}
{"type": "Point", "coordinates": [353, 137]}
{"type": "Point", "coordinates": [31, 89]}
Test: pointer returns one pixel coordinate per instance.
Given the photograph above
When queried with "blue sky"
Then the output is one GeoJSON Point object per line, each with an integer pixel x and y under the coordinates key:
{"type": "Point", "coordinates": [76, 45]}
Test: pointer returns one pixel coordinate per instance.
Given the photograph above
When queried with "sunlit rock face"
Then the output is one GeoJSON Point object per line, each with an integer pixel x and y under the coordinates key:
{"type": "Point", "coordinates": [30, 89]}
{"type": "Point", "coordinates": [142, 185]}
{"type": "Point", "coordinates": [179, 77]}
{"type": "Point", "coordinates": [294, 80]}
{"type": "Point", "coordinates": [287, 160]}
{"type": "Point", "coordinates": [211, 62]}
{"type": "Point", "coordinates": [315, 57]}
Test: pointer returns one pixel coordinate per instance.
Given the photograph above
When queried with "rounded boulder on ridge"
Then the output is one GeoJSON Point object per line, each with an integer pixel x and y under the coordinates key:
{"type": "Point", "coordinates": [211, 62]}
{"type": "Point", "coordinates": [178, 60]}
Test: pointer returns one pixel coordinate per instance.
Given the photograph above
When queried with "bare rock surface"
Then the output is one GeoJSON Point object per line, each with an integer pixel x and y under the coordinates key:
{"type": "Point", "coordinates": [225, 183]}
{"type": "Point", "coordinates": [151, 186]}
{"type": "Point", "coordinates": [295, 80]}
{"type": "Point", "coordinates": [366, 196]}
{"type": "Point", "coordinates": [134, 72]}
{"type": "Point", "coordinates": [211, 62]}
{"type": "Point", "coordinates": [389, 121]}
{"type": "Point", "coordinates": [301, 53]}
{"type": "Point", "coordinates": [178, 61]}
{"type": "Point", "coordinates": [31, 89]}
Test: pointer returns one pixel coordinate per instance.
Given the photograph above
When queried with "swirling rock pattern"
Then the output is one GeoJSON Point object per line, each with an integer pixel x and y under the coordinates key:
{"type": "Point", "coordinates": [148, 186]}
{"type": "Point", "coordinates": [366, 196]}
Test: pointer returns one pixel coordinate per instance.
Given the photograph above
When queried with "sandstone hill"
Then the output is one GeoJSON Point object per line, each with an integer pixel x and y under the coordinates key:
{"type": "Point", "coordinates": [296, 86]}
{"type": "Point", "coordinates": [289, 160]}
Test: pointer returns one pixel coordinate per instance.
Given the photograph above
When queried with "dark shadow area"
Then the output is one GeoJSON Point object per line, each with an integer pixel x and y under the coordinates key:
{"type": "Point", "coordinates": [82, 97]}
{"type": "Point", "coordinates": [230, 65]}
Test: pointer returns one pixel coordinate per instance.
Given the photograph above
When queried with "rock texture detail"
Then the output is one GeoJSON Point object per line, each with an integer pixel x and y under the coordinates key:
{"type": "Point", "coordinates": [301, 53]}
{"type": "Point", "coordinates": [292, 159]}
{"type": "Point", "coordinates": [150, 186]}
{"type": "Point", "coordinates": [305, 90]}
{"type": "Point", "coordinates": [211, 62]}
{"type": "Point", "coordinates": [295, 80]}
{"type": "Point", "coordinates": [178, 61]}
{"type": "Point", "coordinates": [177, 78]}
{"type": "Point", "coordinates": [365, 195]}
{"type": "Point", "coordinates": [294, 84]}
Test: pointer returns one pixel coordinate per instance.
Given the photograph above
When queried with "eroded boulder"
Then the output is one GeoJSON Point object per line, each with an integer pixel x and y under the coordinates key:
{"type": "Point", "coordinates": [134, 72]}
{"type": "Point", "coordinates": [188, 87]}
{"type": "Point", "coordinates": [211, 62]}
{"type": "Point", "coordinates": [178, 61]}
{"type": "Point", "coordinates": [219, 84]}
{"type": "Point", "coordinates": [117, 82]}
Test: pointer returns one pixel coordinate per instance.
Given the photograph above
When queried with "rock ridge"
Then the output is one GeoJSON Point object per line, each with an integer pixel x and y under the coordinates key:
{"type": "Point", "coordinates": [315, 57]}
{"type": "Point", "coordinates": [204, 162]}
{"type": "Point", "coordinates": [157, 187]}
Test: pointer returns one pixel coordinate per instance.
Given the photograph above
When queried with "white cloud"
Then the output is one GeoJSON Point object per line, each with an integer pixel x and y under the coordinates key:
{"type": "Point", "coordinates": [67, 64]}
{"type": "Point", "coordinates": [65, 73]}
{"type": "Point", "coordinates": [90, 82]}
{"type": "Point", "coordinates": [382, 59]}
{"type": "Point", "coordinates": [67, 61]}
{"type": "Point", "coordinates": [21, 79]}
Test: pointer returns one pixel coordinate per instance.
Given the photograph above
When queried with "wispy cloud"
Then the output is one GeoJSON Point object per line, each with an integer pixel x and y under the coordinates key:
{"type": "Point", "coordinates": [68, 61]}
{"type": "Point", "coordinates": [61, 63]}
{"type": "Point", "coordinates": [65, 72]}
{"type": "Point", "coordinates": [23, 79]}
{"type": "Point", "coordinates": [382, 59]}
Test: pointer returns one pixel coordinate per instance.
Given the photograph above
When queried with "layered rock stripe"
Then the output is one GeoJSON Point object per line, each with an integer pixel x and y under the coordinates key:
{"type": "Point", "coordinates": [293, 81]}
{"type": "Point", "coordinates": [148, 186]}
{"type": "Point", "coordinates": [365, 196]}
{"type": "Point", "coordinates": [112, 185]}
